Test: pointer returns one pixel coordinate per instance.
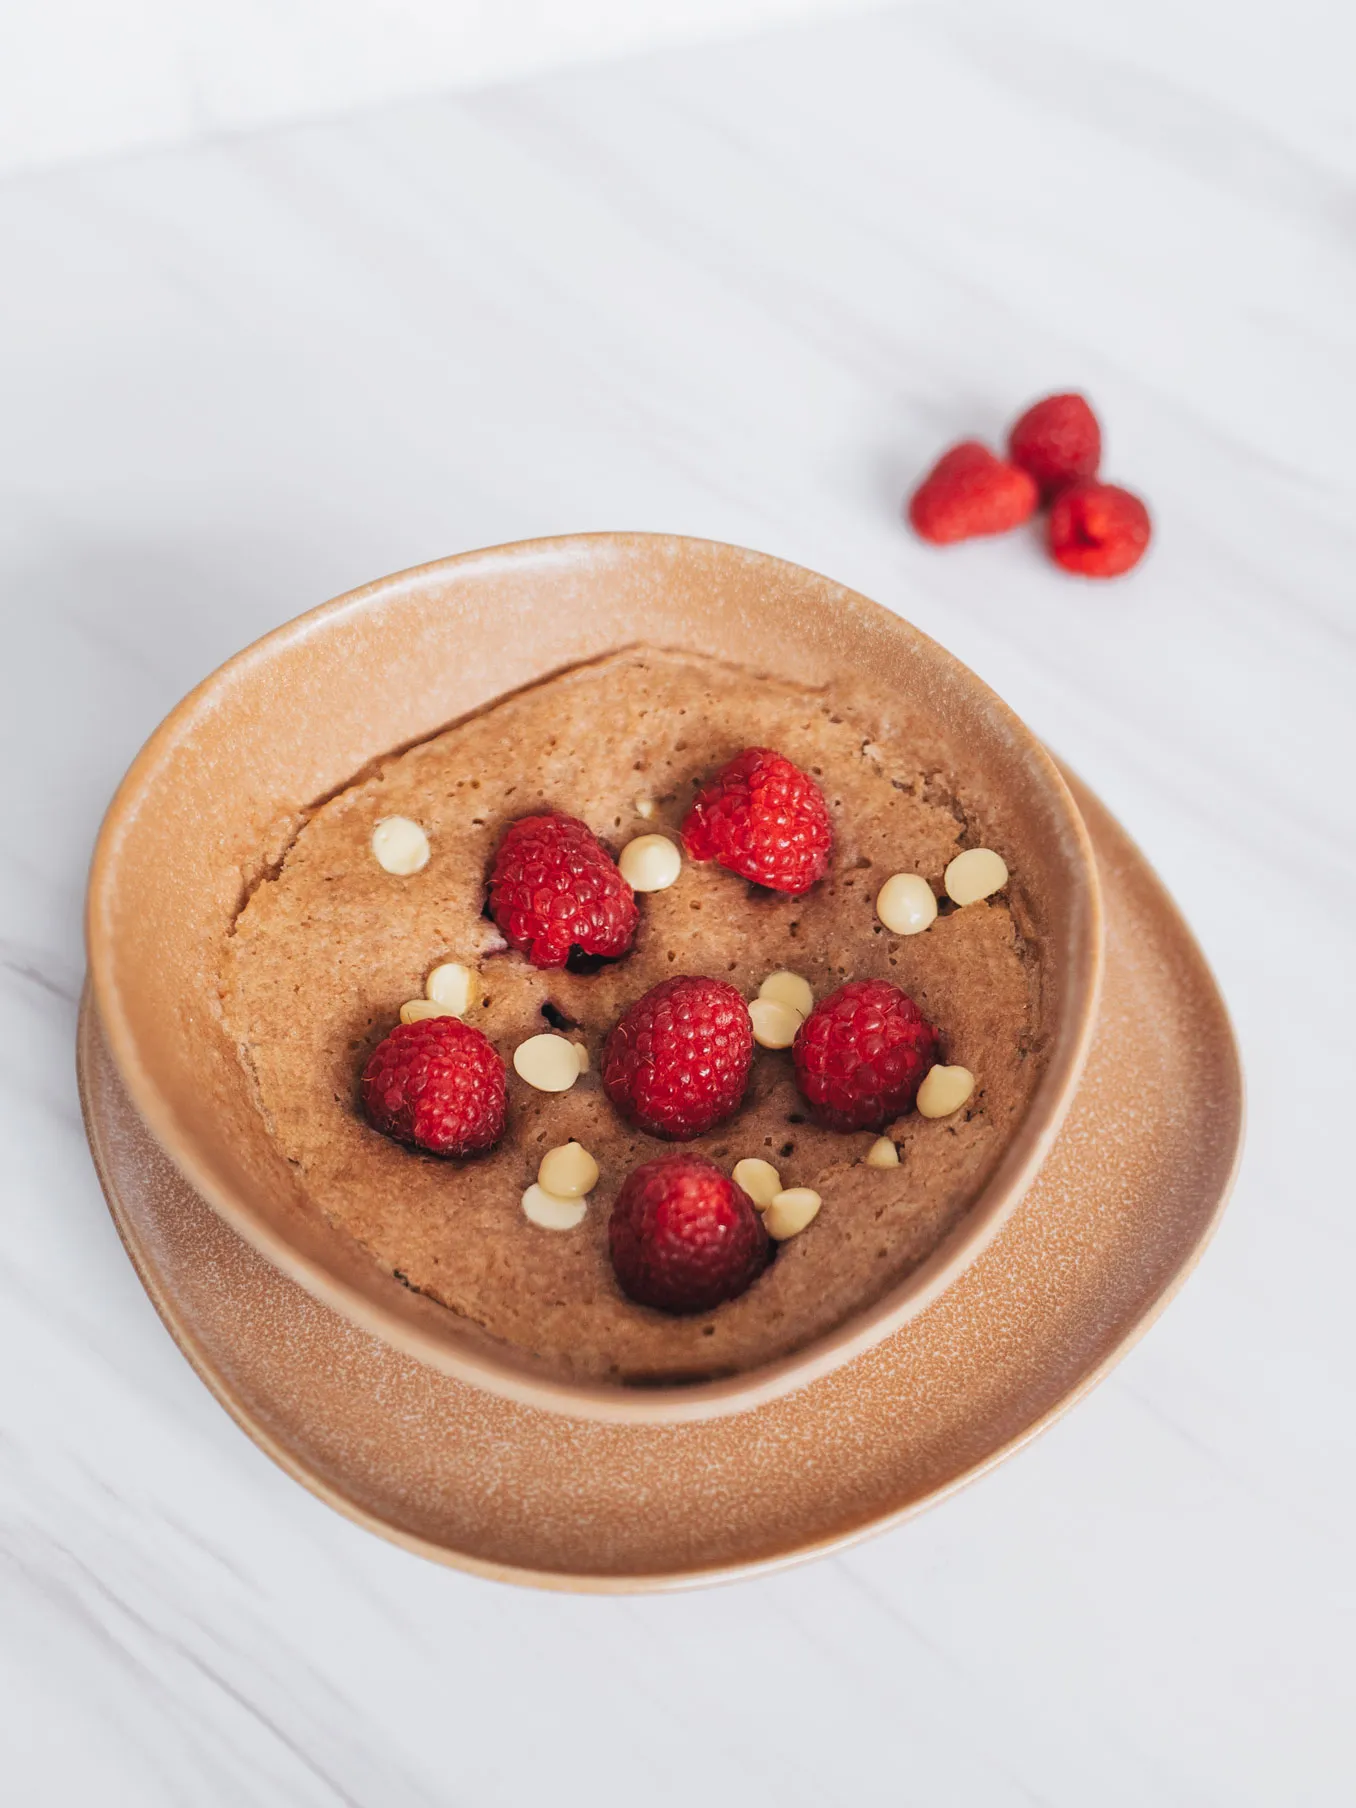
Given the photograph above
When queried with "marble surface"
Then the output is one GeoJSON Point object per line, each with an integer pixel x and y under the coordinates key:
{"type": "Point", "coordinates": [743, 291]}
{"type": "Point", "coordinates": [80, 78]}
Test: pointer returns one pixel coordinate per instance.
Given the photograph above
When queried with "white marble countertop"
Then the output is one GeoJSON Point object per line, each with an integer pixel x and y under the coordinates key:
{"type": "Point", "coordinates": [746, 292]}
{"type": "Point", "coordinates": [82, 79]}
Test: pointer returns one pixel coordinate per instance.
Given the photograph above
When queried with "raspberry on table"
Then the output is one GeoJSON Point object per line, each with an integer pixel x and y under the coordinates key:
{"type": "Point", "coordinates": [861, 1055]}
{"type": "Point", "coordinates": [969, 491]}
{"type": "Point", "coordinates": [678, 1061]}
{"type": "Point", "coordinates": [438, 1084]}
{"type": "Point", "coordinates": [765, 819]}
{"type": "Point", "coordinates": [1098, 530]}
{"type": "Point", "coordinates": [684, 1237]}
{"type": "Point", "coordinates": [1058, 441]}
{"type": "Point", "coordinates": [554, 888]}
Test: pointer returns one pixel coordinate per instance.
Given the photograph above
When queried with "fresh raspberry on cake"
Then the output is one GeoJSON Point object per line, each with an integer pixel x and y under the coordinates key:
{"type": "Point", "coordinates": [554, 888]}
{"type": "Point", "coordinates": [765, 819]}
{"type": "Point", "coordinates": [678, 1061]}
{"type": "Point", "coordinates": [969, 491]}
{"type": "Point", "coordinates": [861, 1054]}
{"type": "Point", "coordinates": [1098, 530]}
{"type": "Point", "coordinates": [1058, 441]}
{"type": "Point", "coordinates": [684, 1237]}
{"type": "Point", "coordinates": [436, 1083]}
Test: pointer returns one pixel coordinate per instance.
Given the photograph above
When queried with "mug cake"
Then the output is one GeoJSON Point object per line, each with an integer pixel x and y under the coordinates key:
{"type": "Point", "coordinates": [653, 1020]}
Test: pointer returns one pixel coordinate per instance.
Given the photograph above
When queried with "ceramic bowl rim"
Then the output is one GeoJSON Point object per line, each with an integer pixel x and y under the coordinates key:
{"type": "Point", "coordinates": [478, 1365]}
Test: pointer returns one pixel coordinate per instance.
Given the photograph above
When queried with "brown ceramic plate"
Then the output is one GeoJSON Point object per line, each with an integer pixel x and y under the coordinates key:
{"type": "Point", "coordinates": [1105, 1235]}
{"type": "Point", "coordinates": [296, 716]}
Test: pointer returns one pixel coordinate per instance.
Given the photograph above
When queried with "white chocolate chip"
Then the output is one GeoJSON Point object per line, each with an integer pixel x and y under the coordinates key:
{"type": "Point", "coordinates": [645, 808]}
{"type": "Point", "coordinates": [581, 1055]}
{"type": "Point", "coordinates": [882, 1154]}
{"type": "Point", "coordinates": [419, 1008]}
{"type": "Point", "coordinates": [944, 1090]}
{"type": "Point", "coordinates": [450, 986]}
{"type": "Point", "coordinates": [759, 1179]}
{"type": "Point", "coordinates": [400, 846]}
{"type": "Point", "coordinates": [568, 1172]}
{"type": "Point", "coordinates": [650, 863]}
{"type": "Point", "coordinates": [774, 1024]}
{"type": "Point", "coordinates": [788, 988]}
{"type": "Point", "coordinates": [906, 905]}
{"type": "Point", "coordinates": [791, 1211]}
{"type": "Point", "coordinates": [547, 1062]}
{"type": "Point", "coordinates": [550, 1213]}
{"type": "Point", "coordinates": [975, 874]}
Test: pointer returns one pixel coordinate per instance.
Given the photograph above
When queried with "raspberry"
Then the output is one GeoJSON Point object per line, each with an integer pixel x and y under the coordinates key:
{"type": "Point", "coordinates": [684, 1237]}
{"type": "Point", "coordinates": [861, 1055]}
{"type": "Point", "coordinates": [438, 1084]}
{"type": "Point", "coordinates": [1098, 530]}
{"type": "Point", "coordinates": [969, 491]}
{"type": "Point", "coordinates": [678, 1061]}
{"type": "Point", "coordinates": [765, 819]}
{"type": "Point", "coordinates": [1058, 441]}
{"type": "Point", "coordinates": [554, 888]}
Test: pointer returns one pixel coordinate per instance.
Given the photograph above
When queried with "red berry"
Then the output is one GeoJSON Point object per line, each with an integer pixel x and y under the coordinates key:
{"type": "Point", "coordinates": [438, 1084]}
{"type": "Point", "coordinates": [1098, 530]}
{"type": "Point", "coordinates": [969, 491]}
{"type": "Point", "coordinates": [555, 888]}
{"type": "Point", "coordinates": [678, 1061]}
{"type": "Point", "coordinates": [683, 1237]}
{"type": "Point", "coordinates": [1058, 441]}
{"type": "Point", "coordinates": [765, 819]}
{"type": "Point", "coordinates": [861, 1055]}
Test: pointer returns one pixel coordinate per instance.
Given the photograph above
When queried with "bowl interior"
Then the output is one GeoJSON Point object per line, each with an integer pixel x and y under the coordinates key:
{"type": "Point", "coordinates": [213, 795]}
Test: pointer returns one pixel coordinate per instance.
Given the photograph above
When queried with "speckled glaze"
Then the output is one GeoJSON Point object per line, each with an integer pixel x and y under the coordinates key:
{"type": "Point", "coordinates": [228, 776]}
{"type": "Point", "coordinates": [1105, 1235]}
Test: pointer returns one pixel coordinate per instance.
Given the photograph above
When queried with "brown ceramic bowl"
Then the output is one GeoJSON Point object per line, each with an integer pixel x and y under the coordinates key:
{"type": "Point", "coordinates": [294, 717]}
